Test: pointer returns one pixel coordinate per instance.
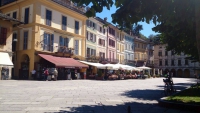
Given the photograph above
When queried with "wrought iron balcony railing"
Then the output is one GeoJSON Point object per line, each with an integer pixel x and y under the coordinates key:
{"type": "Point", "coordinates": [70, 5]}
{"type": "Point", "coordinates": [66, 50]}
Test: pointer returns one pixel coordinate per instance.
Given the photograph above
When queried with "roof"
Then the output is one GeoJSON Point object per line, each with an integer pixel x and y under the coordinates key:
{"type": "Point", "coordinates": [140, 39]}
{"type": "Point", "coordinates": [5, 17]}
{"type": "Point", "coordinates": [63, 62]}
{"type": "Point", "coordinates": [104, 22]}
{"type": "Point", "coordinates": [78, 9]}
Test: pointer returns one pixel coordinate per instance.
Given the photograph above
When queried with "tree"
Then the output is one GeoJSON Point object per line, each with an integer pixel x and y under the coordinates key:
{"type": "Point", "coordinates": [178, 21]}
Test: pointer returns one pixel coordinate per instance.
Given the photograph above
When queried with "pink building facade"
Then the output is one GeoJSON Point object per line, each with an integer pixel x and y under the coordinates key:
{"type": "Point", "coordinates": [112, 44]}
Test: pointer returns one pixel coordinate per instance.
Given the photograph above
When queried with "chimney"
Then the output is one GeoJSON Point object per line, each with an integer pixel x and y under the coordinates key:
{"type": "Point", "coordinates": [105, 19]}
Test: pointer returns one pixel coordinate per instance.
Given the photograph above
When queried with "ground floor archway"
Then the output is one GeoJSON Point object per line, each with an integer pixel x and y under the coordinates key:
{"type": "Point", "coordinates": [186, 73]}
{"type": "Point", "coordinates": [166, 71]}
{"type": "Point", "coordinates": [173, 72]}
{"type": "Point", "coordinates": [179, 73]}
{"type": "Point", "coordinates": [24, 69]}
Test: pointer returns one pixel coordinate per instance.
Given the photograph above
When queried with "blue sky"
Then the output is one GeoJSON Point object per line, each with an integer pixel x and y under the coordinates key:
{"type": "Point", "coordinates": [147, 28]}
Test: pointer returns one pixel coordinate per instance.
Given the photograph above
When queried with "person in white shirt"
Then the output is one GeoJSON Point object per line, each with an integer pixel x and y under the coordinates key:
{"type": "Point", "coordinates": [33, 72]}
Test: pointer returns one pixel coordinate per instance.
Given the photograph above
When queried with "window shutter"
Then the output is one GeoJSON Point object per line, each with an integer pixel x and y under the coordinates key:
{"type": "Point", "coordinates": [94, 52]}
{"type": "Point", "coordinates": [99, 41]}
{"type": "Point", "coordinates": [66, 42]}
{"type": "Point", "coordinates": [52, 42]}
{"type": "Point", "coordinates": [91, 37]}
{"type": "Point", "coordinates": [4, 36]}
{"type": "Point", "coordinates": [94, 38]}
{"type": "Point", "coordinates": [44, 41]}
{"type": "Point", "coordinates": [15, 15]}
{"type": "Point", "coordinates": [60, 41]}
{"type": "Point", "coordinates": [88, 23]}
{"type": "Point", "coordinates": [87, 35]}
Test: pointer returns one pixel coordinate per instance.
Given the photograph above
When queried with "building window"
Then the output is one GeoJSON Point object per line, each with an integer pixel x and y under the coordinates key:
{"type": "Point", "coordinates": [186, 62]}
{"type": "Point", "coordinates": [88, 52]}
{"type": "Point", "coordinates": [172, 62]}
{"type": "Point", "coordinates": [76, 27]}
{"type": "Point", "coordinates": [111, 31]}
{"type": "Point", "coordinates": [14, 42]}
{"type": "Point", "coordinates": [100, 29]}
{"type": "Point", "coordinates": [26, 16]}
{"type": "Point", "coordinates": [104, 31]}
{"type": "Point", "coordinates": [179, 62]}
{"type": "Point", "coordinates": [166, 53]}
{"type": "Point", "coordinates": [64, 22]}
{"type": "Point", "coordinates": [3, 36]}
{"type": "Point", "coordinates": [160, 62]}
{"type": "Point", "coordinates": [15, 15]}
{"type": "Point", "coordinates": [102, 55]}
{"type": "Point", "coordinates": [25, 44]}
{"type": "Point", "coordinates": [166, 63]}
{"type": "Point", "coordinates": [63, 42]}
{"type": "Point", "coordinates": [91, 52]}
{"type": "Point", "coordinates": [76, 48]}
{"type": "Point", "coordinates": [48, 17]}
{"type": "Point", "coordinates": [101, 42]}
{"type": "Point", "coordinates": [111, 43]}
{"type": "Point", "coordinates": [48, 42]}
{"type": "Point", "coordinates": [160, 53]}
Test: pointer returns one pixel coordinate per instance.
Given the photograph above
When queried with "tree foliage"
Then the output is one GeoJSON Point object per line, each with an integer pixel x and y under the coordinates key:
{"type": "Point", "coordinates": [174, 19]}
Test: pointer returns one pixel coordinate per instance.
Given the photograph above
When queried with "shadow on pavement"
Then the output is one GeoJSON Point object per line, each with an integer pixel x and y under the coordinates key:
{"type": "Point", "coordinates": [120, 108]}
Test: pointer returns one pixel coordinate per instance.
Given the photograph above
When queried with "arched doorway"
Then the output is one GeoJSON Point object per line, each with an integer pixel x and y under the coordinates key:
{"type": "Point", "coordinates": [179, 72]}
{"type": "Point", "coordinates": [187, 73]}
{"type": "Point", "coordinates": [173, 72]}
{"type": "Point", "coordinates": [166, 70]}
{"type": "Point", "coordinates": [24, 70]}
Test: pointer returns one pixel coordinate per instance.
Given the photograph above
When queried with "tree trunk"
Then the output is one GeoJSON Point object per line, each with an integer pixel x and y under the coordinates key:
{"type": "Point", "coordinates": [197, 18]}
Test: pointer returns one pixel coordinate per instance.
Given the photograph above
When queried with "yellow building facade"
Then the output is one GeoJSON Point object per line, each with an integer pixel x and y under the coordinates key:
{"type": "Point", "coordinates": [48, 23]}
{"type": "Point", "coordinates": [141, 54]}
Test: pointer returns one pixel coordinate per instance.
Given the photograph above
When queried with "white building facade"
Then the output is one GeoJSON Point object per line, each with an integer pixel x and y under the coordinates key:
{"type": "Point", "coordinates": [177, 65]}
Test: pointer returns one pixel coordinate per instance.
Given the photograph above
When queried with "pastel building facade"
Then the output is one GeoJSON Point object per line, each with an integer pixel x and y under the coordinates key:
{"type": "Point", "coordinates": [91, 37]}
{"type": "Point", "coordinates": [177, 65]}
{"type": "Point", "coordinates": [120, 46]}
{"type": "Point", "coordinates": [101, 39]}
{"type": "Point", "coordinates": [50, 26]}
{"type": "Point", "coordinates": [140, 52]}
{"type": "Point", "coordinates": [129, 49]}
{"type": "Point", "coordinates": [112, 44]}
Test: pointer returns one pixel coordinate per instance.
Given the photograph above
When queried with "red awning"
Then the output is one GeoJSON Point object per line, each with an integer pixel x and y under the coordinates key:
{"type": "Point", "coordinates": [63, 62]}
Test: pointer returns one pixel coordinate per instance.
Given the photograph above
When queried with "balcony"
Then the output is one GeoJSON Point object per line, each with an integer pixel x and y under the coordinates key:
{"type": "Point", "coordinates": [112, 60]}
{"type": "Point", "coordinates": [5, 2]}
{"type": "Point", "coordinates": [92, 58]}
{"type": "Point", "coordinates": [65, 50]}
{"type": "Point", "coordinates": [129, 61]}
{"type": "Point", "coordinates": [68, 4]}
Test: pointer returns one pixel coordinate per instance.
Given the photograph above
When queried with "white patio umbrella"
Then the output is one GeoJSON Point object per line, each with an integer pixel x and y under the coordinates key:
{"type": "Point", "coordinates": [144, 67]}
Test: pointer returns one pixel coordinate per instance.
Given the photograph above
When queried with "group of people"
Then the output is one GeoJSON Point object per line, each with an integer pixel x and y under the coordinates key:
{"type": "Point", "coordinates": [46, 74]}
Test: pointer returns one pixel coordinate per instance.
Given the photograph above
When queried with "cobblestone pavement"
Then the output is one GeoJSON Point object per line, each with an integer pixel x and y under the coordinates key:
{"type": "Point", "coordinates": [86, 96]}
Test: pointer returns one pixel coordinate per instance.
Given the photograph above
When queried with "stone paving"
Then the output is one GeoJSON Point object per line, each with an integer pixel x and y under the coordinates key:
{"type": "Point", "coordinates": [86, 96]}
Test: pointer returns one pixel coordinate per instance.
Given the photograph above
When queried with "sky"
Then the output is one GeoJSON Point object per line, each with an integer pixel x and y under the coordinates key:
{"type": "Point", "coordinates": [147, 28]}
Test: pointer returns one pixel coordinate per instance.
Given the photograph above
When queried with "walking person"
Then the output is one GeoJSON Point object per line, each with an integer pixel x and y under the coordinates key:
{"type": "Point", "coordinates": [55, 74]}
{"type": "Point", "coordinates": [33, 72]}
{"type": "Point", "coordinates": [46, 74]}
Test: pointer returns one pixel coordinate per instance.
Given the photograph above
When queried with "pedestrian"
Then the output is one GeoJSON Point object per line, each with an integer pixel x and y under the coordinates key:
{"type": "Point", "coordinates": [46, 74]}
{"type": "Point", "coordinates": [55, 74]}
{"type": "Point", "coordinates": [33, 72]}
